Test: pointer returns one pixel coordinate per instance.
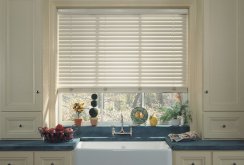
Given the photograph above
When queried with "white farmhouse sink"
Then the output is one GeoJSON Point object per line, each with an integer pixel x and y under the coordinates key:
{"type": "Point", "coordinates": [123, 153]}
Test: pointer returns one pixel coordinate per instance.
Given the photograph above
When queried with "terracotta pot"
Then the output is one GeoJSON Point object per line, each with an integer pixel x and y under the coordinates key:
{"type": "Point", "coordinates": [93, 121]}
{"type": "Point", "coordinates": [78, 122]}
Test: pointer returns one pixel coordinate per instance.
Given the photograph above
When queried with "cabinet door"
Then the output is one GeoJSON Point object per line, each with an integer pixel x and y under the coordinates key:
{"type": "Point", "coordinates": [223, 55]}
{"type": "Point", "coordinates": [22, 78]}
{"type": "Point", "coordinates": [228, 158]}
{"type": "Point", "coordinates": [53, 158]}
{"type": "Point", "coordinates": [191, 158]}
{"type": "Point", "coordinates": [16, 158]}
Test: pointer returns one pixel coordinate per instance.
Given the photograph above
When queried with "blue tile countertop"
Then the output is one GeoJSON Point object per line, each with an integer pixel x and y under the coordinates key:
{"type": "Point", "coordinates": [36, 145]}
{"type": "Point", "coordinates": [139, 134]}
{"type": "Point", "coordinates": [207, 145]}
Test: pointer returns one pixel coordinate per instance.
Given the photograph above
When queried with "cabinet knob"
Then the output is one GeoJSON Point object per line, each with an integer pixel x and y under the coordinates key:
{"type": "Point", "coordinates": [193, 163]}
{"type": "Point", "coordinates": [234, 163]}
{"type": "Point", "coordinates": [9, 163]}
{"type": "Point", "coordinates": [206, 92]}
{"type": "Point", "coordinates": [224, 126]}
{"type": "Point", "coordinates": [37, 91]}
{"type": "Point", "coordinates": [20, 126]}
{"type": "Point", "coordinates": [52, 164]}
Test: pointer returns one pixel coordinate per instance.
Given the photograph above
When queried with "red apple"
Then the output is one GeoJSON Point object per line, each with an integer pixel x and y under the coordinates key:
{"type": "Point", "coordinates": [51, 130]}
{"type": "Point", "coordinates": [68, 130]}
{"type": "Point", "coordinates": [59, 127]}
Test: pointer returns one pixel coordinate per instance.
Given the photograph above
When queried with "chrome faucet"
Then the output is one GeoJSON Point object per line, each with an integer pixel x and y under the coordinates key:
{"type": "Point", "coordinates": [122, 131]}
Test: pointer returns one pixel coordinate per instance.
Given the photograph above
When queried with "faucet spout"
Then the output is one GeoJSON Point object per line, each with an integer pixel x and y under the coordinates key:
{"type": "Point", "coordinates": [122, 131]}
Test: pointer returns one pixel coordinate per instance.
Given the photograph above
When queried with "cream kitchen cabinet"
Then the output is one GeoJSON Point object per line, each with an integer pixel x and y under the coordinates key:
{"type": "Point", "coordinates": [16, 158]}
{"type": "Point", "coordinates": [228, 158]}
{"type": "Point", "coordinates": [20, 125]}
{"type": "Point", "coordinates": [36, 158]}
{"type": "Point", "coordinates": [192, 158]}
{"type": "Point", "coordinates": [208, 157]}
{"type": "Point", "coordinates": [223, 55]}
{"type": "Point", "coordinates": [223, 125]}
{"type": "Point", "coordinates": [223, 78]}
{"type": "Point", "coordinates": [53, 158]}
{"type": "Point", "coordinates": [21, 66]}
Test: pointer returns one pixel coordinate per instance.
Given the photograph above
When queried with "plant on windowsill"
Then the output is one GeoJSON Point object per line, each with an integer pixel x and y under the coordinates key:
{"type": "Point", "coordinates": [174, 113]}
{"type": "Point", "coordinates": [78, 108]}
{"type": "Point", "coordinates": [93, 112]}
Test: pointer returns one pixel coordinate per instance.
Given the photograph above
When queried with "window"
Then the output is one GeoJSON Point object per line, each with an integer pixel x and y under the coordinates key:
{"type": "Point", "coordinates": [134, 54]}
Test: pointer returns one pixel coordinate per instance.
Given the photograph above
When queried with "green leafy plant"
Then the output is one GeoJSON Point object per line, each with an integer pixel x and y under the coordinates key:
{"type": "Point", "coordinates": [93, 112]}
{"type": "Point", "coordinates": [176, 110]}
{"type": "Point", "coordinates": [170, 112]}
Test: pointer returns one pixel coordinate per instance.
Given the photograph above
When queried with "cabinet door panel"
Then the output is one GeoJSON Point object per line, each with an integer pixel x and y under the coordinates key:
{"type": "Point", "coordinates": [228, 158]}
{"type": "Point", "coordinates": [16, 158]}
{"type": "Point", "coordinates": [53, 158]}
{"type": "Point", "coordinates": [20, 124]}
{"type": "Point", "coordinates": [223, 125]}
{"type": "Point", "coordinates": [223, 61]}
{"type": "Point", "coordinates": [191, 158]}
{"type": "Point", "coordinates": [12, 162]}
{"type": "Point", "coordinates": [52, 161]}
{"type": "Point", "coordinates": [23, 76]}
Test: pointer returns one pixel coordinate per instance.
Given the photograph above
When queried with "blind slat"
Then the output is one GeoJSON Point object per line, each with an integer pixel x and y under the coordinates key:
{"type": "Point", "coordinates": [122, 50]}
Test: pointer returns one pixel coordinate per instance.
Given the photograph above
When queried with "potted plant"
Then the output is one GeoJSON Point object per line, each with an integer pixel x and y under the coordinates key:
{"type": "Point", "coordinates": [93, 112]}
{"type": "Point", "coordinates": [78, 108]}
{"type": "Point", "coordinates": [174, 113]}
{"type": "Point", "coordinates": [170, 114]}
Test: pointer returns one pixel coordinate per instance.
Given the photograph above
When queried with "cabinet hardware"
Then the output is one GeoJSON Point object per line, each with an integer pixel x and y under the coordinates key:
{"type": "Point", "coordinates": [20, 125]}
{"type": "Point", "coordinates": [206, 92]}
{"type": "Point", "coordinates": [193, 164]}
{"type": "Point", "coordinates": [223, 126]}
{"type": "Point", "coordinates": [234, 164]}
{"type": "Point", "coordinates": [37, 92]}
{"type": "Point", "coordinates": [52, 163]}
{"type": "Point", "coordinates": [9, 163]}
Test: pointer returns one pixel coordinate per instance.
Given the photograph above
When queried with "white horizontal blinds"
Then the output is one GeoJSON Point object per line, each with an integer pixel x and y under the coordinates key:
{"type": "Point", "coordinates": [163, 50]}
{"type": "Point", "coordinates": [77, 50]}
{"type": "Point", "coordinates": [121, 50]}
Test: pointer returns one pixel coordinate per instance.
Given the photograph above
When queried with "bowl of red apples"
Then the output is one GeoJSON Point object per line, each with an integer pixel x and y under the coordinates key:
{"type": "Point", "coordinates": [56, 135]}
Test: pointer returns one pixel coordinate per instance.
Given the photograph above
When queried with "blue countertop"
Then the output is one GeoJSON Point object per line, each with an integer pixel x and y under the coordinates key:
{"type": "Point", "coordinates": [139, 134]}
{"type": "Point", "coordinates": [36, 145]}
{"type": "Point", "coordinates": [207, 145]}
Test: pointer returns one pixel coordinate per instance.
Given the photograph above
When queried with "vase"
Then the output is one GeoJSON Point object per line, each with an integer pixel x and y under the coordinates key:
{"type": "Point", "coordinates": [93, 121]}
{"type": "Point", "coordinates": [174, 122]}
{"type": "Point", "coordinates": [78, 122]}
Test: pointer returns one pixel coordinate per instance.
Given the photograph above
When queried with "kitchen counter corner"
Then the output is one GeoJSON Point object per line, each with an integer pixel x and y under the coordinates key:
{"type": "Point", "coordinates": [37, 145]}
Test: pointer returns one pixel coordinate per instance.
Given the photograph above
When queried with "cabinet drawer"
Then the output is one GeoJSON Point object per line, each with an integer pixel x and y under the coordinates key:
{"type": "Point", "coordinates": [16, 158]}
{"type": "Point", "coordinates": [223, 125]}
{"type": "Point", "coordinates": [53, 158]}
{"type": "Point", "coordinates": [191, 158]}
{"type": "Point", "coordinates": [21, 124]}
{"type": "Point", "coordinates": [228, 158]}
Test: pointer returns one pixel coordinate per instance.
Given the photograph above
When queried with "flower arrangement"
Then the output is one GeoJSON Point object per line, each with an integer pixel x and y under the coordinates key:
{"type": "Point", "coordinates": [79, 107]}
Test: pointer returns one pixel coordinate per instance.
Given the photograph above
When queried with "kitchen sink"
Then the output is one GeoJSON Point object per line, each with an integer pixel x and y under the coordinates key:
{"type": "Point", "coordinates": [123, 153]}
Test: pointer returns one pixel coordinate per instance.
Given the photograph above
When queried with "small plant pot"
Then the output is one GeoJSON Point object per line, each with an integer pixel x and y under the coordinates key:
{"type": "Point", "coordinates": [78, 122]}
{"type": "Point", "coordinates": [174, 122]}
{"type": "Point", "coordinates": [93, 121]}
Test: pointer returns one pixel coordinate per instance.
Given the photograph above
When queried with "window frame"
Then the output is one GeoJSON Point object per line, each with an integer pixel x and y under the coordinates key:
{"type": "Point", "coordinates": [51, 49]}
{"type": "Point", "coordinates": [101, 108]}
